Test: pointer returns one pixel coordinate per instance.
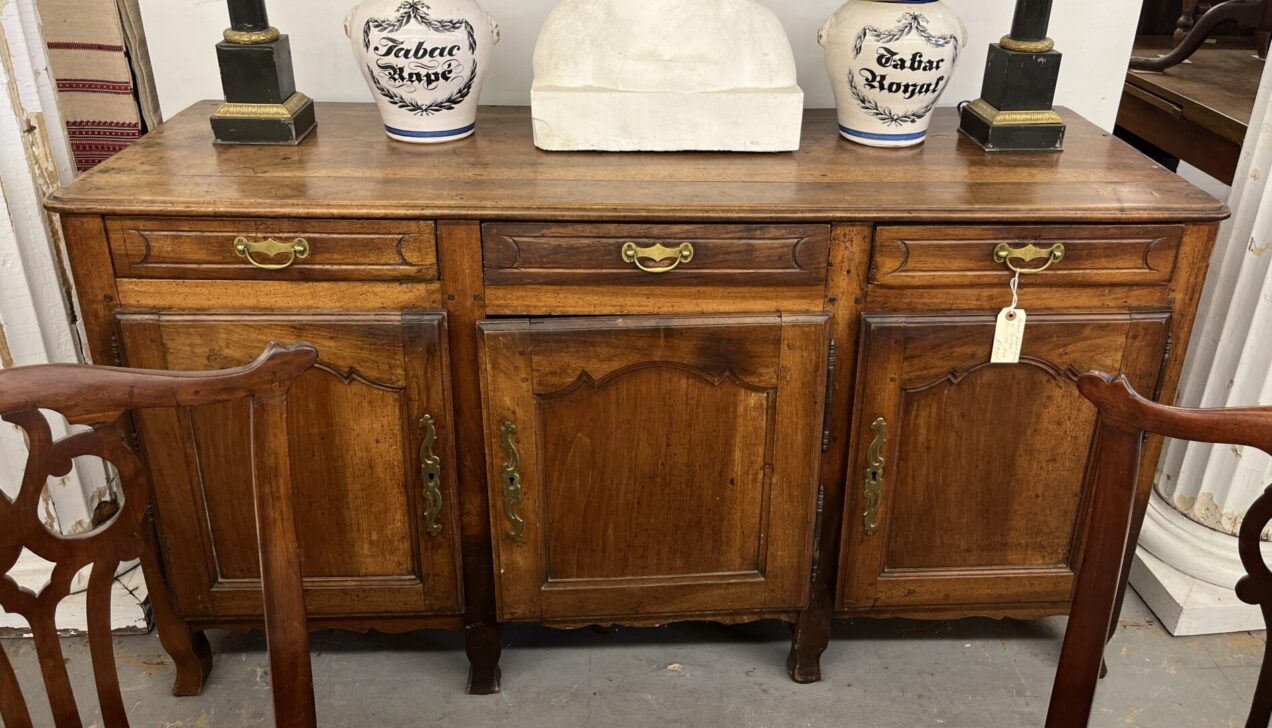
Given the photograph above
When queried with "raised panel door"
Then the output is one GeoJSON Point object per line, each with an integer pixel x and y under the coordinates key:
{"type": "Point", "coordinates": [372, 455]}
{"type": "Point", "coordinates": [968, 483]}
{"type": "Point", "coordinates": [653, 466]}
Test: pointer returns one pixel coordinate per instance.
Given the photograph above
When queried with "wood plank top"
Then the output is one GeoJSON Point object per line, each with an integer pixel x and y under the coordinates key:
{"type": "Point", "coordinates": [1216, 88]}
{"type": "Point", "coordinates": [348, 168]}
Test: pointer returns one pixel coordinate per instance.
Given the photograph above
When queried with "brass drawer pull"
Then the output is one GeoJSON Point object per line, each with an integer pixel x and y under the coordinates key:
{"type": "Point", "coordinates": [875, 463]}
{"type": "Point", "coordinates": [299, 249]}
{"type": "Point", "coordinates": [431, 470]}
{"type": "Point", "coordinates": [633, 253]}
{"type": "Point", "coordinates": [1004, 253]}
{"type": "Point", "coordinates": [513, 493]}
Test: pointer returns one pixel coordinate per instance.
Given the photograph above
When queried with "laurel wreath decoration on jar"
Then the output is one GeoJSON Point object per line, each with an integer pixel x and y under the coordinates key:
{"type": "Point", "coordinates": [889, 71]}
{"type": "Point", "coordinates": [424, 63]}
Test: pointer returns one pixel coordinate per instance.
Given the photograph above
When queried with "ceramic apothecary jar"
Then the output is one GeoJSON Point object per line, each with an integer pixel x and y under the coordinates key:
{"type": "Point", "coordinates": [890, 61]}
{"type": "Point", "coordinates": [424, 62]}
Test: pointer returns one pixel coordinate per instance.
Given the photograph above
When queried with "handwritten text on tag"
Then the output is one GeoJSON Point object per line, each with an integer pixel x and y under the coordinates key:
{"type": "Point", "coordinates": [1009, 336]}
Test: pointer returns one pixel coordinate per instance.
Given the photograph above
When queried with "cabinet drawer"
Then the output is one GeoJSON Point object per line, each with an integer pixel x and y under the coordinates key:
{"type": "Point", "coordinates": [287, 250]}
{"type": "Point", "coordinates": [656, 254]}
{"type": "Point", "coordinates": [942, 256]}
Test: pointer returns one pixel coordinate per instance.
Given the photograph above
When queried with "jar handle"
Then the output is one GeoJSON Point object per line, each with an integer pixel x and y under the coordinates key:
{"type": "Point", "coordinates": [494, 28]}
{"type": "Point", "coordinates": [824, 33]}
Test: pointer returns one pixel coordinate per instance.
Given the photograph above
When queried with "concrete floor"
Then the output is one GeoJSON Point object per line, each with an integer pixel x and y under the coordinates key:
{"type": "Point", "coordinates": [879, 674]}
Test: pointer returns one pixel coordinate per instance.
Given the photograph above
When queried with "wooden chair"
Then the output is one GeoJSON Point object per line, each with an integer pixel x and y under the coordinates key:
{"type": "Point", "coordinates": [1125, 418]}
{"type": "Point", "coordinates": [98, 397]}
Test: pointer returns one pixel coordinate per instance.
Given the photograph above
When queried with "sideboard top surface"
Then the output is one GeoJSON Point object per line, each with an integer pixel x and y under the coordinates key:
{"type": "Point", "coordinates": [348, 168]}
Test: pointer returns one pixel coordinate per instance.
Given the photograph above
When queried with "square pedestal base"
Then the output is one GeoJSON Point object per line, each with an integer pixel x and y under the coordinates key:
{"type": "Point", "coordinates": [1187, 606]}
{"type": "Point", "coordinates": [597, 119]}
{"type": "Point", "coordinates": [983, 124]}
{"type": "Point", "coordinates": [287, 123]}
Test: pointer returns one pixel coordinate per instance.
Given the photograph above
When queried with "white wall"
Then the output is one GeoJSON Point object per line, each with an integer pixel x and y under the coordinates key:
{"type": "Point", "coordinates": [1094, 35]}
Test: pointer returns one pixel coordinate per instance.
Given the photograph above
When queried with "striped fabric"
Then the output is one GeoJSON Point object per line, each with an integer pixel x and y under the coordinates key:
{"type": "Point", "coordinates": [94, 81]}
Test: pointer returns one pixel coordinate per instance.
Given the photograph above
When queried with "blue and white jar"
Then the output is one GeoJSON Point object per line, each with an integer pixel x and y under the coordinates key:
{"type": "Point", "coordinates": [890, 61]}
{"type": "Point", "coordinates": [424, 61]}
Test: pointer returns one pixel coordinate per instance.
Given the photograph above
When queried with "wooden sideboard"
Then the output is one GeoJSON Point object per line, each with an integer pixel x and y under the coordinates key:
{"type": "Point", "coordinates": [582, 389]}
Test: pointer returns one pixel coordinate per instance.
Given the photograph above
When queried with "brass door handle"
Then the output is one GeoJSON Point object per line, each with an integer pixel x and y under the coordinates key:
{"type": "Point", "coordinates": [271, 248]}
{"type": "Point", "coordinates": [431, 471]}
{"type": "Point", "coordinates": [1005, 254]}
{"type": "Point", "coordinates": [513, 492]}
{"type": "Point", "coordinates": [635, 254]}
{"type": "Point", "coordinates": [875, 463]}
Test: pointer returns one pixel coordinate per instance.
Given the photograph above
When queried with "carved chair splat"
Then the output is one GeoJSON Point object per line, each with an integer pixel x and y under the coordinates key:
{"type": "Point", "coordinates": [1125, 417]}
{"type": "Point", "coordinates": [98, 397]}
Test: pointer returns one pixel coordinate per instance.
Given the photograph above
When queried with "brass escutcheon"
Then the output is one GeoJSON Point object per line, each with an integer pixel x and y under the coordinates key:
{"type": "Point", "coordinates": [633, 253]}
{"type": "Point", "coordinates": [431, 471]}
{"type": "Point", "coordinates": [875, 463]}
{"type": "Point", "coordinates": [513, 493]}
{"type": "Point", "coordinates": [1005, 254]}
{"type": "Point", "coordinates": [298, 248]}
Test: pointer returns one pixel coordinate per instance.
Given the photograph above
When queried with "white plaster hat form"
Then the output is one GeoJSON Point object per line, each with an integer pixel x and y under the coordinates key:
{"type": "Point", "coordinates": [660, 45]}
{"type": "Point", "coordinates": [665, 75]}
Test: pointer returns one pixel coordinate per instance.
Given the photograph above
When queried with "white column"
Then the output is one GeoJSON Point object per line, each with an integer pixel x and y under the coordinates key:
{"type": "Point", "coordinates": [1187, 562]}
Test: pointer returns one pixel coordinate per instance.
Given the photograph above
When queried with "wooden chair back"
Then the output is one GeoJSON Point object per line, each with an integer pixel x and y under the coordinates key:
{"type": "Point", "coordinates": [98, 397]}
{"type": "Point", "coordinates": [1125, 418]}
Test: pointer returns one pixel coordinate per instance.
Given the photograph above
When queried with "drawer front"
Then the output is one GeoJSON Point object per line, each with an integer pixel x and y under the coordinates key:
{"type": "Point", "coordinates": [295, 250]}
{"type": "Point", "coordinates": [656, 254]}
{"type": "Point", "coordinates": [941, 256]}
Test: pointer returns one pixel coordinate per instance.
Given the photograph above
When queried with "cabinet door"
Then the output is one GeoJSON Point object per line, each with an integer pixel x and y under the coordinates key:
{"type": "Point", "coordinates": [650, 467]}
{"type": "Point", "coordinates": [379, 528]}
{"type": "Point", "coordinates": [969, 480]}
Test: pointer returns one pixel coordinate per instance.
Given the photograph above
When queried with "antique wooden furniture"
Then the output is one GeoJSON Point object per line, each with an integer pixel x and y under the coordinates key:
{"type": "Point", "coordinates": [1197, 113]}
{"type": "Point", "coordinates": [1191, 32]}
{"type": "Point", "coordinates": [1256, 587]}
{"type": "Point", "coordinates": [98, 397]}
{"type": "Point", "coordinates": [1124, 419]}
{"type": "Point", "coordinates": [581, 389]}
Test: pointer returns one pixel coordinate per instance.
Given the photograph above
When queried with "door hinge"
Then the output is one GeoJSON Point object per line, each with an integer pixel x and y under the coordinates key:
{"type": "Point", "coordinates": [832, 364]}
{"type": "Point", "coordinates": [116, 355]}
{"type": "Point", "coordinates": [817, 531]}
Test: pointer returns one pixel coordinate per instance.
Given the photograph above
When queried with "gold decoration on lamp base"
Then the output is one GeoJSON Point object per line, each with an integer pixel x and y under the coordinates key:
{"type": "Point", "coordinates": [286, 123]}
{"type": "Point", "coordinates": [251, 37]}
{"type": "Point", "coordinates": [981, 108]}
{"type": "Point", "coordinates": [1045, 45]}
{"type": "Point", "coordinates": [285, 110]}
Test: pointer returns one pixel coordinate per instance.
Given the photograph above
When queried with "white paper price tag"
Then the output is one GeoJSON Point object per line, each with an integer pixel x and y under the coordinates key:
{"type": "Point", "coordinates": [1009, 336]}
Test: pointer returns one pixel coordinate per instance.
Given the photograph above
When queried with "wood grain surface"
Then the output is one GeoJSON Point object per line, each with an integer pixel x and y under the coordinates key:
{"type": "Point", "coordinates": [349, 169]}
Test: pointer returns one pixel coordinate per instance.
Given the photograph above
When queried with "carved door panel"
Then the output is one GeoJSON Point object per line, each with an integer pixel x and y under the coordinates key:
{"type": "Point", "coordinates": [968, 481]}
{"type": "Point", "coordinates": [643, 467]}
{"type": "Point", "coordinates": [372, 457]}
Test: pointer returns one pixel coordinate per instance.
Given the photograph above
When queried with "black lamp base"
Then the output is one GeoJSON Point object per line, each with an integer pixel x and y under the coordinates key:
{"type": "Point", "coordinates": [1012, 131]}
{"type": "Point", "coordinates": [262, 105]}
{"type": "Point", "coordinates": [1014, 113]}
{"type": "Point", "coordinates": [286, 123]}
